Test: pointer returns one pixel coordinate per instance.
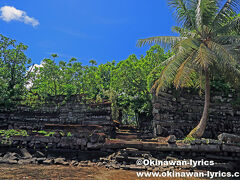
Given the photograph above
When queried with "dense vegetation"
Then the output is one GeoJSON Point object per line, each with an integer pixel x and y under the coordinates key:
{"type": "Point", "coordinates": [13, 74]}
{"type": "Point", "coordinates": [126, 83]}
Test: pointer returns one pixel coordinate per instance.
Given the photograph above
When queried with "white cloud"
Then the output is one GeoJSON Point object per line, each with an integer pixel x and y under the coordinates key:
{"type": "Point", "coordinates": [33, 67]}
{"type": "Point", "coordinates": [10, 13]}
{"type": "Point", "coordinates": [29, 83]}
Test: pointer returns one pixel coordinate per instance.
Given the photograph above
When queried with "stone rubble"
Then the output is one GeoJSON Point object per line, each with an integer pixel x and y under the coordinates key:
{"type": "Point", "coordinates": [123, 159]}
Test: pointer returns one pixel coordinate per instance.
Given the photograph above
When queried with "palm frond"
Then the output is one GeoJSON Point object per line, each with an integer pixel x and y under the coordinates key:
{"type": "Point", "coordinates": [234, 51]}
{"type": "Point", "coordinates": [204, 57]}
{"type": "Point", "coordinates": [229, 71]}
{"type": "Point", "coordinates": [184, 12]}
{"type": "Point", "coordinates": [228, 40]}
{"type": "Point", "coordinates": [229, 9]}
{"type": "Point", "coordinates": [232, 27]}
{"type": "Point", "coordinates": [189, 43]}
{"type": "Point", "coordinates": [167, 61]}
{"type": "Point", "coordinates": [222, 53]}
{"type": "Point", "coordinates": [209, 39]}
{"type": "Point", "coordinates": [184, 72]}
{"type": "Point", "coordinates": [168, 73]}
{"type": "Point", "coordinates": [159, 82]}
{"type": "Point", "coordinates": [165, 41]}
{"type": "Point", "coordinates": [226, 62]}
{"type": "Point", "coordinates": [183, 31]}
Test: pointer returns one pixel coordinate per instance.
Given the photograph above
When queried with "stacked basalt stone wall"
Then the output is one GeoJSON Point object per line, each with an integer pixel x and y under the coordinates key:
{"type": "Point", "coordinates": [72, 111]}
{"type": "Point", "coordinates": [178, 112]}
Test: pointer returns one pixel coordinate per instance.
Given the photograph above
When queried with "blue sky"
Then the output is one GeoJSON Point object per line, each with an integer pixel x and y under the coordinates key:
{"type": "Point", "coordinates": [103, 30]}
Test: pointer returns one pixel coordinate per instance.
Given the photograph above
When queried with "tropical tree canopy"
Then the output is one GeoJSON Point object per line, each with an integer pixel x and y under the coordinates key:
{"type": "Point", "coordinates": [209, 40]}
{"type": "Point", "coordinates": [208, 44]}
{"type": "Point", "coordinates": [13, 73]}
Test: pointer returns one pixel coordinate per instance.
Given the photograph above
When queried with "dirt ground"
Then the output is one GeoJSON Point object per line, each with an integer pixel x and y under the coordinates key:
{"type": "Point", "coordinates": [55, 172]}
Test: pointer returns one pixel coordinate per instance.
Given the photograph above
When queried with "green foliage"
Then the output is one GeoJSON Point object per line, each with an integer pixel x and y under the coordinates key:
{"type": "Point", "coordinates": [7, 134]}
{"type": "Point", "coordinates": [69, 134]}
{"type": "Point", "coordinates": [188, 139]}
{"type": "Point", "coordinates": [209, 42]}
{"type": "Point", "coordinates": [12, 132]}
{"type": "Point", "coordinates": [61, 133]}
{"type": "Point", "coordinates": [42, 132]}
{"type": "Point", "coordinates": [220, 85]}
{"type": "Point", "coordinates": [126, 83]}
{"type": "Point", "coordinates": [131, 80]}
{"type": "Point", "coordinates": [50, 134]}
{"type": "Point", "coordinates": [67, 78]}
{"type": "Point", "coordinates": [13, 74]}
{"type": "Point", "coordinates": [45, 133]}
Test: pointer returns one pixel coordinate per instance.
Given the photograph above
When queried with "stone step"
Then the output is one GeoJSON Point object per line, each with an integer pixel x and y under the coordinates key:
{"type": "Point", "coordinates": [127, 136]}
{"type": "Point", "coordinates": [127, 127]}
{"type": "Point", "coordinates": [127, 133]}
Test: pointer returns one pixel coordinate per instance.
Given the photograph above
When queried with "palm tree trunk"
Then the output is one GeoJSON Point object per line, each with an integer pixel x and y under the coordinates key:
{"type": "Point", "coordinates": [198, 131]}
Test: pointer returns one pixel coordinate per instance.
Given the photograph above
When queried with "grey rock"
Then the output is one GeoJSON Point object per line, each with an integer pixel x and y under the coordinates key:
{"type": "Point", "coordinates": [39, 154]}
{"type": "Point", "coordinates": [10, 161]}
{"type": "Point", "coordinates": [94, 145]}
{"type": "Point", "coordinates": [48, 161]}
{"type": "Point", "coordinates": [225, 137]}
{"type": "Point", "coordinates": [171, 139]}
{"type": "Point", "coordinates": [94, 138]}
{"type": "Point", "coordinates": [24, 161]}
{"type": "Point", "coordinates": [74, 163]}
{"type": "Point", "coordinates": [40, 160]}
{"type": "Point", "coordinates": [60, 161]}
{"type": "Point", "coordinates": [11, 156]}
{"type": "Point", "coordinates": [25, 153]}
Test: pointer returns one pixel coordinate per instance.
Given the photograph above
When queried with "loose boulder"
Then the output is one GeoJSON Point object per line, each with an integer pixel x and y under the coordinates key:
{"type": "Point", "coordinates": [171, 139]}
{"type": "Point", "coordinates": [225, 137]}
{"type": "Point", "coordinates": [25, 153]}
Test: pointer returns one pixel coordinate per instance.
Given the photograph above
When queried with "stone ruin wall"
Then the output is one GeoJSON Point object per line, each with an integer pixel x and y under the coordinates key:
{"type": "Point", "coordinates": [89, 125]}
{"type": "Point", "coordinates": [73, 111]}
{"type": "Point", "coordinates": [179, 112]}
{"type": "Point", "coordinates": [173, 113]}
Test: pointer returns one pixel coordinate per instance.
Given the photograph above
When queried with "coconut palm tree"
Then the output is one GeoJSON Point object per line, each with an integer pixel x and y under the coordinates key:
{"type": "Point", "coordinates": [208, 43]}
